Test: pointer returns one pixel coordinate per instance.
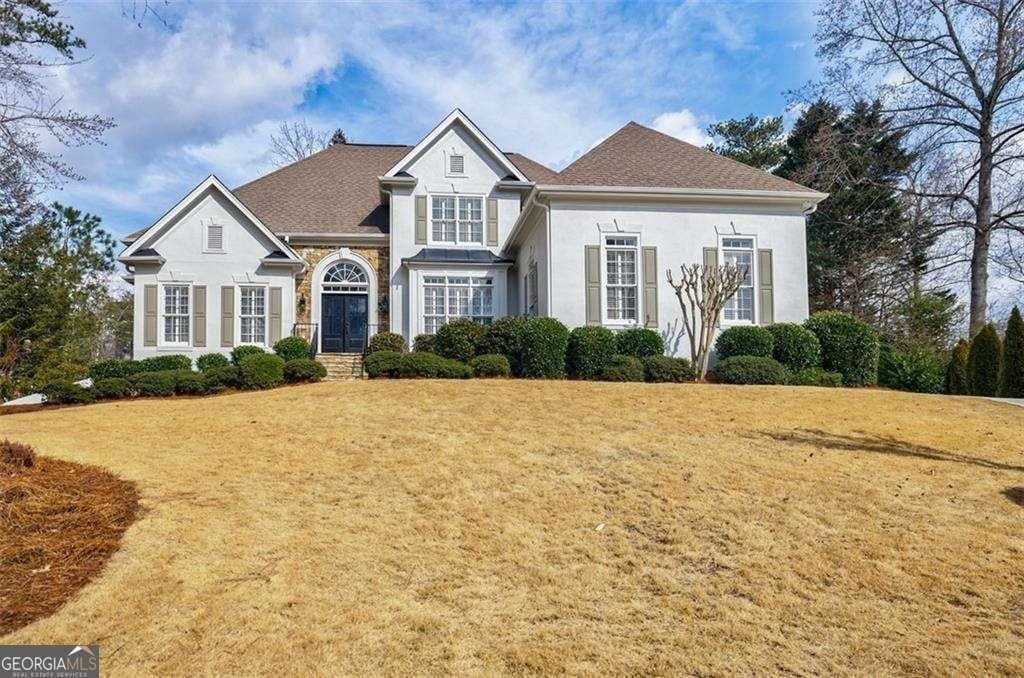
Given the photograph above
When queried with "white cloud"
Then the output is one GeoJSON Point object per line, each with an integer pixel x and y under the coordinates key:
{"type": "Point", "coordinates": [682, 125]}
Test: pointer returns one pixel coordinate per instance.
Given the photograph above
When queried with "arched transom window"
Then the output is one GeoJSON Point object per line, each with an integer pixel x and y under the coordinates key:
{"type": "Point", "coordinates": [345, 277]}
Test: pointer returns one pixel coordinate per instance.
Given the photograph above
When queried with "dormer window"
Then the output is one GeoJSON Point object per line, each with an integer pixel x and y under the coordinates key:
{"type": "Point", "coordinates": [214, 237]}
{"type": "Point", "coordinates": [456, 164]}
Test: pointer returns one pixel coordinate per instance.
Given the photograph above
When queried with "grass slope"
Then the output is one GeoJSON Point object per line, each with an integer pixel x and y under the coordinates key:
{"type": "Point", "coordinates": [479, 527]}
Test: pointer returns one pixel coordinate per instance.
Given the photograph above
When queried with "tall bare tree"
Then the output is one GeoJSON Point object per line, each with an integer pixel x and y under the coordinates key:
{"type": "Point", "coordinates": [952, 73]}
{"type": "Point", "coordinates": [702, 292]}
{"type": "Point", "coordinates": [297, 140]}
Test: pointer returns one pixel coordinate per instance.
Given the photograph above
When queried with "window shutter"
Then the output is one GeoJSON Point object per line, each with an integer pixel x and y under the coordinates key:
{"type": "Point", "coordinates": [199, 315]}
{"type": "Point", "coordinates": [275, 315]}
{"type": "Point", "coordinates": [149, 315]}
{"type": "Point", "coordinates": [711, 256]}
{"type": "Point", "coordinates": [492, 221]}
{"type": "Point", "coordinates": [650, 286]}
{"type": "Point", "coordinates": [766, 287]}
{"type": "Point", "coordinates": [592, 275]}
{"type": "Point", "coordinates": [421, 220]}
{"type": "Point", "coordinates": [227, 316]}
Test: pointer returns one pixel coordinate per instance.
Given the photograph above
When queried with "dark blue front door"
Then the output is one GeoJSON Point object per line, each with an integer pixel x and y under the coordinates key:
{"type": "Point", "coordinates": [343, 320]}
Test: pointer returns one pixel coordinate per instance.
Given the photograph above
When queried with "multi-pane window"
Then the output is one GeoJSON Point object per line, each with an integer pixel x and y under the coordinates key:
{"type": "Point", "coordinates": [448, 297]}
{"type": "Point", "coordinates": [176, 314]}
{"type": "Point", "coordinates": [621, 278]}
{"type": "Point", "coordinates": [532, 293]}
{"type": "Point", "coordinates": [253, 315]}
{"type": "Point", "coordinates": [457, 220]}
{"type": "Point", "coordinates": [740, 252]}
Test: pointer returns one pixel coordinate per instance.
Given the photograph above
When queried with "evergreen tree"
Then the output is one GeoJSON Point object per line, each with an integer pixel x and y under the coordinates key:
{"type": "Point", "coordinates": [956, 373]}
{"type": "Point", "coordinates": [1011, 374]}
{"type": "Point", "coordinates": [983, 362]}
{"type": "Point", "coordinates": [757, 142]}
{"type": "Point", "coordinates": [338, 137]}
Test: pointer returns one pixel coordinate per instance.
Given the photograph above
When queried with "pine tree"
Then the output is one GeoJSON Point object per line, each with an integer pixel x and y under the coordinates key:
{"type": "Point", "coordinates": [983, 362]}
{"type": "Point", "coordinates": [1011, 374]}
{"type": "Point", "coordinates": [754, 141]}
{"type": "Point", "coordinates": [956, 373]}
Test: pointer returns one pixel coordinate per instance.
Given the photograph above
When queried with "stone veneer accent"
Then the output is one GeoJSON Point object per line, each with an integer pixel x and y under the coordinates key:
{"type": "Point", "coordinates": [378, 258]}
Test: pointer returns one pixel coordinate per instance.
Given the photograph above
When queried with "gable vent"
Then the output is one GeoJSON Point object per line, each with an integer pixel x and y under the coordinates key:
{"type": "Point", "coordinates": [457, 164]}
{"type": "Point", "coordinates": [215, 237]}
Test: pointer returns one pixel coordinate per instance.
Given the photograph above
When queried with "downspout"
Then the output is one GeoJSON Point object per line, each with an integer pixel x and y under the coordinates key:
{"type": "Point", "coordinates": [391, 249]}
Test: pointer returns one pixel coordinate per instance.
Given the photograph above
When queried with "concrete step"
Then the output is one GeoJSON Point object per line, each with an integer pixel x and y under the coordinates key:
{"type": "Point", "coordinates": [342, 366]}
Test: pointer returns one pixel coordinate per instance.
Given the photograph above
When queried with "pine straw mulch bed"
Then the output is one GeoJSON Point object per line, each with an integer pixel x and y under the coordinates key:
{"type": "Point", "coordinates": [59, 524]}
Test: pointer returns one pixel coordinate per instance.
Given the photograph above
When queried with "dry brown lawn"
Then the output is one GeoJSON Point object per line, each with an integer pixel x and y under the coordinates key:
{"type": "Point", "coordinates": [503, 527]}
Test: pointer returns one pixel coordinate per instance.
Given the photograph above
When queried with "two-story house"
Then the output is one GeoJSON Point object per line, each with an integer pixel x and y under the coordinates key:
{"type": "Point", "coordinates": [364, 237]}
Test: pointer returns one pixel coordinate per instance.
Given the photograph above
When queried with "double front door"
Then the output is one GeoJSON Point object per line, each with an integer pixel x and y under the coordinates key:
{"type": "Point", "coordinates": [343, 323]}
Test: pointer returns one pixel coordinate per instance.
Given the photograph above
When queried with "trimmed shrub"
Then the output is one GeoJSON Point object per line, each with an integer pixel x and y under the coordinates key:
{"type": "Point", "coordinates": [505, 337]}
{"type": "Point", "coordinates": [386, 341]}
{"type": "Point", "coordinates": [848, 346]}
{"type": "Point", "coordinates": [490, 365]}
{"type": "Point", "coordinates": [381, 363]}
{"type": "Point", "coordinates": [65, 392]}
{"type": "Point", "coordinates": [457, 339]}
{"type": "Point", "coordinates": [163, 363]}
{"type": "Point", "coordinates": [61, 372]}
{"type": "Point", "coordinates": [112, 369]}
{"type": "Point", "coordinates": [112, 388]}
{"type": "Point", "coordinates": [815, 376]}
{"type": "Point", "coordinates": [16, 454]}
{"type": "Point", "coordinates": [744, 340]}
{"type": "Point", "coordinates": [187, 382]}
{"type": "Point", "coordinates": [240, 353]}
{"type": "Point", "coordinates": [639, 342]}
{"type": "Point", "coordinates": [918, 371]}
{"type": "Point", "coordinates": [983, 362]}
{"type": "Point", "coordinates": [545, 341]}
{"type": "Point", "coordinates": [623, 368]}
{"type": "Point", "coordinates": [423, 343]}
{"type": "Point", "coordinates": [219, 378]}
{"type": "Point", "coordinates": [290, 348]}
{"type": "Point", "coordinates": [210, 360]}
{"type": "Point", "coordinates": [427, 365]}
{"type": "Point", "coordinates": [956, 371]}
{"type": "Point", "coordinates": [153, 383]}
{"type": "Point", "coordinates": [749, 369]}
{"type": "Point", "coordinates": [795, 346]}
{"type": "Point", "coordinates": [303, 369]}
{"type": "Point", "coordinates": [1011, 374]}
{"type": "Point", "coordinates": [663, 368]}
{"type": "Point", "coordinates": [589, 351]}
{"type": "Point", "coordinates": [260, 371]}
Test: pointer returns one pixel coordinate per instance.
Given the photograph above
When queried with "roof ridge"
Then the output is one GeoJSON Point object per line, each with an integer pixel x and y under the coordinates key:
{"type": "Point", "coordinates": [597, 146]}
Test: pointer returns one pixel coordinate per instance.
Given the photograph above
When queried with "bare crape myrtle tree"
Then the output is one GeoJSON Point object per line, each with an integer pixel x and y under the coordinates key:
{"type": "Point", "coordinates": [702, 292]}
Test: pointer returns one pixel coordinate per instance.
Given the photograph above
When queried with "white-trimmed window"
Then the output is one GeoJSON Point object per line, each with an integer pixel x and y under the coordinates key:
{"type": "Point", "coordinates": [214, 237]}
{"type": "Point", "coordinates": [448, 297]}
{"type": "Point", "coordinates": [740, 306]}
{"type": "Point", "coordinates": [621, 279]}
{"type": "Point", "coordinates": [176, 314]}
{"type": "Point", "coordinates": [457, 220]}
{"type": "Point", "coordinates": [532, 292]}
{"type": "Point", "coordinates": [253, 315]}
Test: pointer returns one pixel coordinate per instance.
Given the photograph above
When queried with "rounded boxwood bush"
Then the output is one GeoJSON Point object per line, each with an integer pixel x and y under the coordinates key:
{"type": "Point", "coordinates": [795, 346]}
{"type": "Point", "coordinates": [164, 363]}
{"type": "Point", "coordinates": [956, 371]}
{"type": "Point", "coordinates": [457, 339]}
{"type": "Point", "coordinates": [663, 368]}
{"type": "Point", "coordinates": [423, 343]}
{"type": "Point", "coordinates": [983, 362]}
{"type": "Point", "coordinates": [290, 348]}
{"type": "Point", "coordinates": [219, 378]}
{"type": "Point", "coordinates": [260, 371]}
{"type": "Point", "coordinates": [240, 353]}
{"type": "Point", "coordinates": [490, 365]}
{"type": "Point", "coordinates": [386, 341]}
{"type": "Point", "coordinates": [640, 342]}
{"type": "Point", "coordinates": [749, 369]}
{"type": "Point", "coordinates": [112, 369]}
{"type": "Point", "coordinates": [112, 388]}
{"type": "Point", "coordinates": [187, 382]}
{"type": "Point", "coordinates": [210, 360]}
{"type": "Point", "coordinates": [589, 351]}
{"type": "Point", "coordinates": [153, 383]}
{"type": "Point", "coordinates": [919, 371]}
{"type": "Point", "coordinates": [545, 341]}
{"type": "Point", "coordinates": [427, 365]}
{"type": "Point", "coordinates": [381, 363]}
{"type": "Point", "coordinates": [505, 337]}
{"type": "Point", "coordinates": [66, 392]}
{"type": "Point", "coordinates": [303, 369]}
{"type": "Point", "coordinates": [744, 340]}
{"type": "Point", "coordinates": [848, 346]}
{"type": "Point", "coordinates": [815, 376]}
{"type": "Point", "coordinates": [623, 368]}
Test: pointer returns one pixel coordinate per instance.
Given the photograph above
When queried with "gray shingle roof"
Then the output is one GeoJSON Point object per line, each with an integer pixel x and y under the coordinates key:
{"type": "Point", "coordinates": [440, 255]}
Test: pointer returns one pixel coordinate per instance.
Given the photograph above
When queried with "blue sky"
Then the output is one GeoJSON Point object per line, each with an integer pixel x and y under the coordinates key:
{"type": "Point", "coordinates": [203, 93]}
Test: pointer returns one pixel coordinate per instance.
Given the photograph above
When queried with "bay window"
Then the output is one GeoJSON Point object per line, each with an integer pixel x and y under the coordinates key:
{"type": "Point", "coordinates": [621, 279]}
{"type": "Point", "coordinates": [457, 220]}
{"type": "Point", "coordinates": [253, 315]}
{"type": "Point", "coordinates": [176, 314]}
{"type": "Point", "coordinates": [740, 306]}
{"type": "Point", "coordinates": [446, 297]}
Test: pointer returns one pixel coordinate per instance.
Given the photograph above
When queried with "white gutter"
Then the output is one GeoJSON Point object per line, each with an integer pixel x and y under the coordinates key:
{"type": "Point", "coordinates": [333, 237]}
{"type": "Point", "coordinates": [705, 194]}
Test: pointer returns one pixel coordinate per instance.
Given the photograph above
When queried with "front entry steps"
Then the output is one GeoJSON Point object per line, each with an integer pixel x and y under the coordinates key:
{"type": "Point", "coordinates": [342, 366]}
